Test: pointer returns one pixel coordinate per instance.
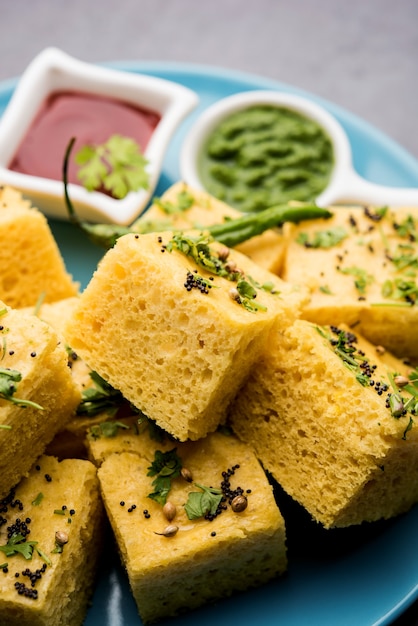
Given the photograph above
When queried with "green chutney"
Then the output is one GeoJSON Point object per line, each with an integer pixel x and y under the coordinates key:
{"type": "Point", "coordinates": [266, 155]}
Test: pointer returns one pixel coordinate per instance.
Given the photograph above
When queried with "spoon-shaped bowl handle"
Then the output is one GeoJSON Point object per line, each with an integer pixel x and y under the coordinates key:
{"type": "Point", "coordinates": [350, 188]}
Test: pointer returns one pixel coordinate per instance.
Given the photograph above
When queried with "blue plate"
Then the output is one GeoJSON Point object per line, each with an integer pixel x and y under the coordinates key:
{"type": "Point", "coordinates": [365, 575]}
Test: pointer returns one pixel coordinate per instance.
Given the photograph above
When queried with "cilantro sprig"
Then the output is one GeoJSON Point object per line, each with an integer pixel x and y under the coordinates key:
{"type": "Point", "coordinates": [204, 502]}
{"type": "Point", "coordinates": [323, 238]}
{"type": "Point", "coordinates": [165, 467]}
{"type": "Point", "coordinates": [101, 397]}
{"type": "Point", "coordinates": [17, 544]}
{"type": "Point", "coordinates": [361, 277]}
{"type": "Point", "coordinates": [8, 386]}
{"type": "Point", "coordinates": [117, 165]}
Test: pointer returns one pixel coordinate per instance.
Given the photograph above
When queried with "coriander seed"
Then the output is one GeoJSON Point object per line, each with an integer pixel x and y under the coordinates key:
{"type": "Point", "coordinates": [61, 538]}
{"type": "Point", "coordinates": [170, 511]}
{"type": "Point", "coordinates": [169, 531]}
{"type": "Point", "coordinates": [239, 504]}
{"type": "Point", "coordinates": [186, 474]}
{"type": "Point", "coordinates": [401, 381]}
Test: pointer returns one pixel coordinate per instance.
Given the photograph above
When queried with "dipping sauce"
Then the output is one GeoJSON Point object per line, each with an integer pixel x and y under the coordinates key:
{"type": "Point", "coordinates": [92, 119]}
{"type": "Point", "coordinates": [266, 155]}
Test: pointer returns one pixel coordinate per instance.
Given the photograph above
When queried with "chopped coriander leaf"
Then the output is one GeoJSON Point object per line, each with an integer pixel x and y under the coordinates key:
{"type": "Point", "coordinates": [17, 544]}
{"type": "Point", "coordinates": [184, 201]}
{"type": "Point", "coordinates": [201, 503]}
{"type": "Point", "coordinates": [117, 165]}
{"type": "Point", "coordinates": [106, 429]}
{"type": "Point", "coordinates": [407, 228]}
{"type": "Point", "coordinates": [401, 289]}
{"type": "Point", "coordinates": [8, 387]}
{"type": "Point", "coordinates": [325, 289]}
{"type": "Point", "coordinates": [39, 303]}
{"type": "Point", "coordinates": [102, 397]}
{"type": "Point", "coordinates": [247, 294]}
{"type": "Point", "coordinates": [38, 499]}
{"type": "Point", "coordinates": [323, 238]}
{"type": "Point", "coordinates": [343, 344]}
{"type": "Point", "coordinates": [198, 249]}
{"type": "Point", "coordinates": [362, 278]}
{"type": "Point", "coordinates": [166, 466]}
{"type": "Point", "coordinates": [43, 556]}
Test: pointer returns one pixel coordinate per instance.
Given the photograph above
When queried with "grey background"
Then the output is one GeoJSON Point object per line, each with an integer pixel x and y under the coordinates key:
{"type": "Point", "coordinates": [360, 54]}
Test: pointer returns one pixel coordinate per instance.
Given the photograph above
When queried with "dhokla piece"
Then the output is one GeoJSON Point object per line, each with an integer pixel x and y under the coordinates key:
{"type": "Point", "coordinates": [182, 207]}
{"type": "Point", "coordinates": [50, 581]}
{"type": "Point", "coordinates": [186, 553]}
{"type": "Point", "coordinates": [69, 441]}
{"type": "Point", "coordinates": [54, 313]}
{"type": "Point", "coordinates": [334, 421]}
{"type": "Point", "coordinates": [31, 265]}
{"type": "Point", "coordinates": [361, 269]}
{"type": "Point", "coordinates": [38, 394]}
{"type": "Point", "coordinates": [176, 323]}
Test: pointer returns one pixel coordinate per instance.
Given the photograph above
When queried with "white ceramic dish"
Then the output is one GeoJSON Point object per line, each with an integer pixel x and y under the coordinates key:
{"type": "Point", "coordinates": [345, 185]}
{"type": "Point", "coordinates": [53, 71]}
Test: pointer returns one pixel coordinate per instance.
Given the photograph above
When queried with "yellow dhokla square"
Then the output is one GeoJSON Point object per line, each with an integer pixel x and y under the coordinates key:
{"type": "Point", "coordinates": [97, 402]}
{"type": "Point", "coordinates": [327, 418]}
{"type": "Point", "coordinates": [31, 265]}
{"type": "Point", "coordinates": [59, 505]}
{"type": "Point", "coordinates": [182, 207]}
{"type": "Point", "coordinates": [38, 394]}
{"type": "Point", "coordinates": [179, 563]}
{"type": "Point", "coordinates": [361, 269]}
{"type": "Point", "coordinates": [178, 336]}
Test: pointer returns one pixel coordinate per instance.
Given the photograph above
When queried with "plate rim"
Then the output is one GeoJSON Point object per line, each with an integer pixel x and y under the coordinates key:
{"type": "Point", "coordinates": [401, 155]}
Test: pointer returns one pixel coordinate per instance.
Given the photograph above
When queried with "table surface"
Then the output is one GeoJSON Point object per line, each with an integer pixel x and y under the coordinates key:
{"type": "Point", "coordinates": [361, 55]}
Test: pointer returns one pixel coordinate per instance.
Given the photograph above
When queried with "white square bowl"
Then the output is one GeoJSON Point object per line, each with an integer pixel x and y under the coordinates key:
{"type": "Point", "coordinates": [55, 71]}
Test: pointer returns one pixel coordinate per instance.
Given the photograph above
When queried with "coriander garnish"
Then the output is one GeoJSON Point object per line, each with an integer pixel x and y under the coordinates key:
{"type": "Point", "coordinates": [17, 544]}
{"type": "Point", "coordinates": [184, 202]}
{"type": "Point", "coordinates": [101, 397]}
{"type": "Point", "coordinates": [38, 499]}
{"type": "Point", "coordinates": [362, 278]}
{"type": "Point", "coordinates": [323, 238]}
{"type": "Point", "coordinates": [217, 263]}
{"type": "Point", "coordinates": [106, 429]}
{"type": "Point", "coordinates": [165, 467]}
{"type": "Point", "coordinates": [117, 165]}
{"type": "Point", "coordinates": [8, 387]}
{"type": "Point", "coordinates": [204, 502]}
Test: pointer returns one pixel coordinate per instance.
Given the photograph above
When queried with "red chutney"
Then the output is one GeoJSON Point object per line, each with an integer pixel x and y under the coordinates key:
{"type": "Point", "coordinates": [92, 119]}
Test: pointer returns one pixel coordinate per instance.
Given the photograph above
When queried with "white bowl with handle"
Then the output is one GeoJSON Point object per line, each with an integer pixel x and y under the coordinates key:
{"type": "Point", "coordinates": [345, 186]}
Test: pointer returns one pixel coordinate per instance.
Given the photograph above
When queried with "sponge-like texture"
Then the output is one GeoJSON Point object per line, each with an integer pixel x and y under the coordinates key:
{"type": "Point", "coordinates": [204, 560]}
{"type": "Point", "coordinates": [360, 267]}
{"type": "Point", "coordinates": [55, 497]}
{"type": "Point", "coordinates": [175, 352]}
{"type": "Point", "coordinates": [33, 349]}
{"type": "Point", "coordinates": [332, 442]}
{"type": "Point", "coordinates": [31, 265]}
